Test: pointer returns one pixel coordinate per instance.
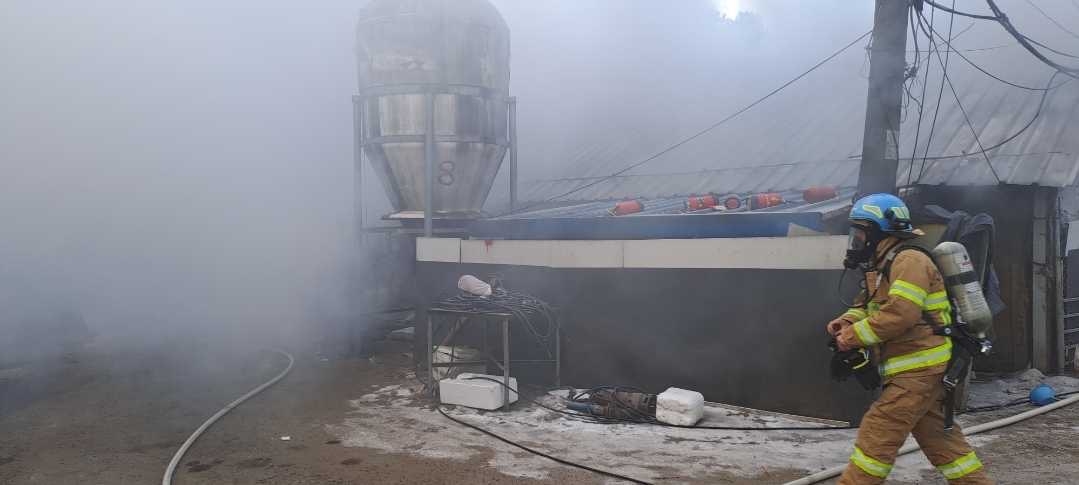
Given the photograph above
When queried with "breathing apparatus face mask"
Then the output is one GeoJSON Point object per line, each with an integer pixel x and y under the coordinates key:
{"type": "Point", "coordinates": [861, 246]}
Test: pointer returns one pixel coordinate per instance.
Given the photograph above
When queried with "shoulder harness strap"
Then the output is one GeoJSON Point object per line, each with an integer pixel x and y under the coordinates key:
{"type": "Point", "coordinates": [887, 269]}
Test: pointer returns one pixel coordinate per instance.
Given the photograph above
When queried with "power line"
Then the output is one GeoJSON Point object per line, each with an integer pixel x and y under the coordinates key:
{"type": "Point", "coordinates": [925, 85]}
{"type": "Point", "coordinates": [964, 111]}
{"type": "Point", "coordinates": [998, 145]}
{"type": "Point", "coordinates": [981, 49]}
{"type": "Point", "coordinates": [964, 31]}
{"type": "Point", "coordinates": [699, 133]}
{"type": "Point", "coordinates": [940, 93]}
{"type": "Point", "coordinates": [961, 14]}
{"type": "Point", "coordinates": [917, 48]}
{"type": "Point", "coordinates": [1050, 49]}
{"type": "Point", "coordinates": [1051, 19]}
{"type": "Point", "coordinates": [910, 75]}
{"type": "Point", "coordinates": [973, 64]}
{"type": "Point", "coordinates": [1008, 26]}
{"type": "Point", "coordinates": [1002, 19]}
{"type": "Point", "coordinates": [972, 130]}
{"type": "Point", "coordinates": [863, 71]}
{"type": "Point", "coordinates": [1037, 114]}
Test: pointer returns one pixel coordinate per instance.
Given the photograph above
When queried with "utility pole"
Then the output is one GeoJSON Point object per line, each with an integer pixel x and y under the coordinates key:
{"type": "Point", "coordinates": [887, 70]}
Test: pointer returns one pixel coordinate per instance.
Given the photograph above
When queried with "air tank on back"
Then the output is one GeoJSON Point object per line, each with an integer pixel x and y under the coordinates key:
{"type": "Point", "coordinates": [458, 51]}
{"type": "Point", "coordinates": [963, 285]}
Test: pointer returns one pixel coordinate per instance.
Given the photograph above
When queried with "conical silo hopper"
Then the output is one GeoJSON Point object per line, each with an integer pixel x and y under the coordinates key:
{"type": "Point", "coordinates": [456, 51]}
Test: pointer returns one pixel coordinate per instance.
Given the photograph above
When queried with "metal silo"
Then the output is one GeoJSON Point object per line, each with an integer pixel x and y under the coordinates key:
{"type": "Point", "coordinates": [446, 56]}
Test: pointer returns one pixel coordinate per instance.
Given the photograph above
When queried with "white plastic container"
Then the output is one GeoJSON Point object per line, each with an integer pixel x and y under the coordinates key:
{"type": "Point", "coordinates": [679, 407]}
{"type": "Point", "coordinates": [476, 393]}
{"type": "Point", "coordinates": [444, 354]}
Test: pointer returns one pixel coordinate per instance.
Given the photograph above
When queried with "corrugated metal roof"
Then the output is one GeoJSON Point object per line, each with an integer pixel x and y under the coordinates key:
{"type": "Point", "coordinates": [662, 205]}
{"type": "Point", "coordinates": [1046, 169]}
{"type": "Point", "coordinates": [666, 218]}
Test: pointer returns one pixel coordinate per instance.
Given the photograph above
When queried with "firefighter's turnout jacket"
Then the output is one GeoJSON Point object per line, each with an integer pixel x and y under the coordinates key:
{"type": "Point", "coordinates": [897, 311]}
{"type": "Point", "coordinates": [903, 298]}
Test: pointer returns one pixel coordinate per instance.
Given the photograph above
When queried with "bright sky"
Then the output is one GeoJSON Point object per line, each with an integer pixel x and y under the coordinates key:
{"type": "Point", "coordinates": [729, 9]}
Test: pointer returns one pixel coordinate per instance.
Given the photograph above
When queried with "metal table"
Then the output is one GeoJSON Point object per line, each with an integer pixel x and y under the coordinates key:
{"type": "Point", "coordinates": [505, 319]}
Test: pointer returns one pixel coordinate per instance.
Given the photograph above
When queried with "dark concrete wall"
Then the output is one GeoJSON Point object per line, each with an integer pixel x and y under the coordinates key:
{"type": "Point", "coordinates": [1012, 210]}
{"type": "Point", "coordinates": [747, 337]}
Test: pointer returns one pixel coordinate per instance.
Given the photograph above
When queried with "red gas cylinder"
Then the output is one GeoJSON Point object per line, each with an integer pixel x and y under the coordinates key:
{"type": "Point", "coordinates": [626, 207]}
{"type": "Point", "coordinates": [819, 194]}
{"type": "Point", "coordinates": [701, 202]}
{"type": "Point", "coordinates": [762, 201]}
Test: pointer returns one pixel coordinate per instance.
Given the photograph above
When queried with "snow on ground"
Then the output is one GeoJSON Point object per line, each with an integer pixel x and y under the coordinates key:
{"type": "Point", "coordinates": [398, 419]}
{"type": "Point", "coordinates": [1016, 387]}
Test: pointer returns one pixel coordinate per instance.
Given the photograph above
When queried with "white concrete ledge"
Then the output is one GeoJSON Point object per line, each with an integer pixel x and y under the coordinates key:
{"type": "Point", "coordinates": [805, 253]}
{"type": "Point", "coordinates": [750, 253]}
{"type": "Point", "coordinates": [438, 249]}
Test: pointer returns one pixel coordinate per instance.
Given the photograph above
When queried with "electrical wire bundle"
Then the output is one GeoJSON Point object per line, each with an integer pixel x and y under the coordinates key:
{"type": "Point", "coordinates": [1026, 42]}
{"type": "Point", "coordinates": [919, 22]}
{"type": "Point", "coordinates": [534, 314]}
{"type": "Point", "coordinates": [622, 404]}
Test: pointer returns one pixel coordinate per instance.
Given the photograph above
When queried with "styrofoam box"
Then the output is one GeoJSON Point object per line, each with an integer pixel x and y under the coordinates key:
{"type": "Point", "coordinates": [474, 393]}
{"type": "Point", "coordinates": [679, 407]}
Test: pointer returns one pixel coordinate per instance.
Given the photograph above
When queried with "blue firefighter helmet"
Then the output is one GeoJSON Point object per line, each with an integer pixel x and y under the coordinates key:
{"type": "Point", "coordinates": [887, 212]}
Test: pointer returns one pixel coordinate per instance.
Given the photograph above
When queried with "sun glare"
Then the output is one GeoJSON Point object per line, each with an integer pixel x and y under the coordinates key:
{"type": "Point", "coordinates": [728, 9]}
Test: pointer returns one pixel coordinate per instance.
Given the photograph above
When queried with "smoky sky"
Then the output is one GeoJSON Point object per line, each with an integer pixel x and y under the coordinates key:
{"type": "Point", "coordinates": [175, 164]}
{"type": "Point", "coordinates": [189, 163]}
{"type": "Point", "coordinates": [604, 84]}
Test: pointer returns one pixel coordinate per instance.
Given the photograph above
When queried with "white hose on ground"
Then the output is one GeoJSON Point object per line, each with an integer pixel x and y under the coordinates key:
{"type": "Point", "coordinates": [171, 470]}
{"type": "Point", "coordinates": [973, 430]}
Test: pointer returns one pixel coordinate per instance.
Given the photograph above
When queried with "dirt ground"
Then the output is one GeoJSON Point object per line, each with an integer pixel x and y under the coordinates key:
{"type": "Point", "coordinates": [115, 415]}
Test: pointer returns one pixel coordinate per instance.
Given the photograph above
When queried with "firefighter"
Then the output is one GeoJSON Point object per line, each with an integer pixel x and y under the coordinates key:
{"type": "Point", "coordinates": [903, 299]}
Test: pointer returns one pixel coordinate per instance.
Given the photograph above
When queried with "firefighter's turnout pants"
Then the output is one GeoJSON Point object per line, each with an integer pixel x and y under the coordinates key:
{"type": "Point", "coordinates": [911, 405]}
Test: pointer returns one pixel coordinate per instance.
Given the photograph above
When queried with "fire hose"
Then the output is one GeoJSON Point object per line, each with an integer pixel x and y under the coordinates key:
{"type": "Point", "coordinates": [973, 430]}
{"type": "Point", "coordinates": [171, 470]}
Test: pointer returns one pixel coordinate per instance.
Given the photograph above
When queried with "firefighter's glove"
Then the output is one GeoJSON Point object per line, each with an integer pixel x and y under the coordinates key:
{"type": "Point", "coordinates": [846, 339]}
{"type": "Point", "coordinates": [854, 362]}
{"type": "Point", "coordinates": [840, 368]}
{"type": "Point", "coordinates": [836, 325]}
